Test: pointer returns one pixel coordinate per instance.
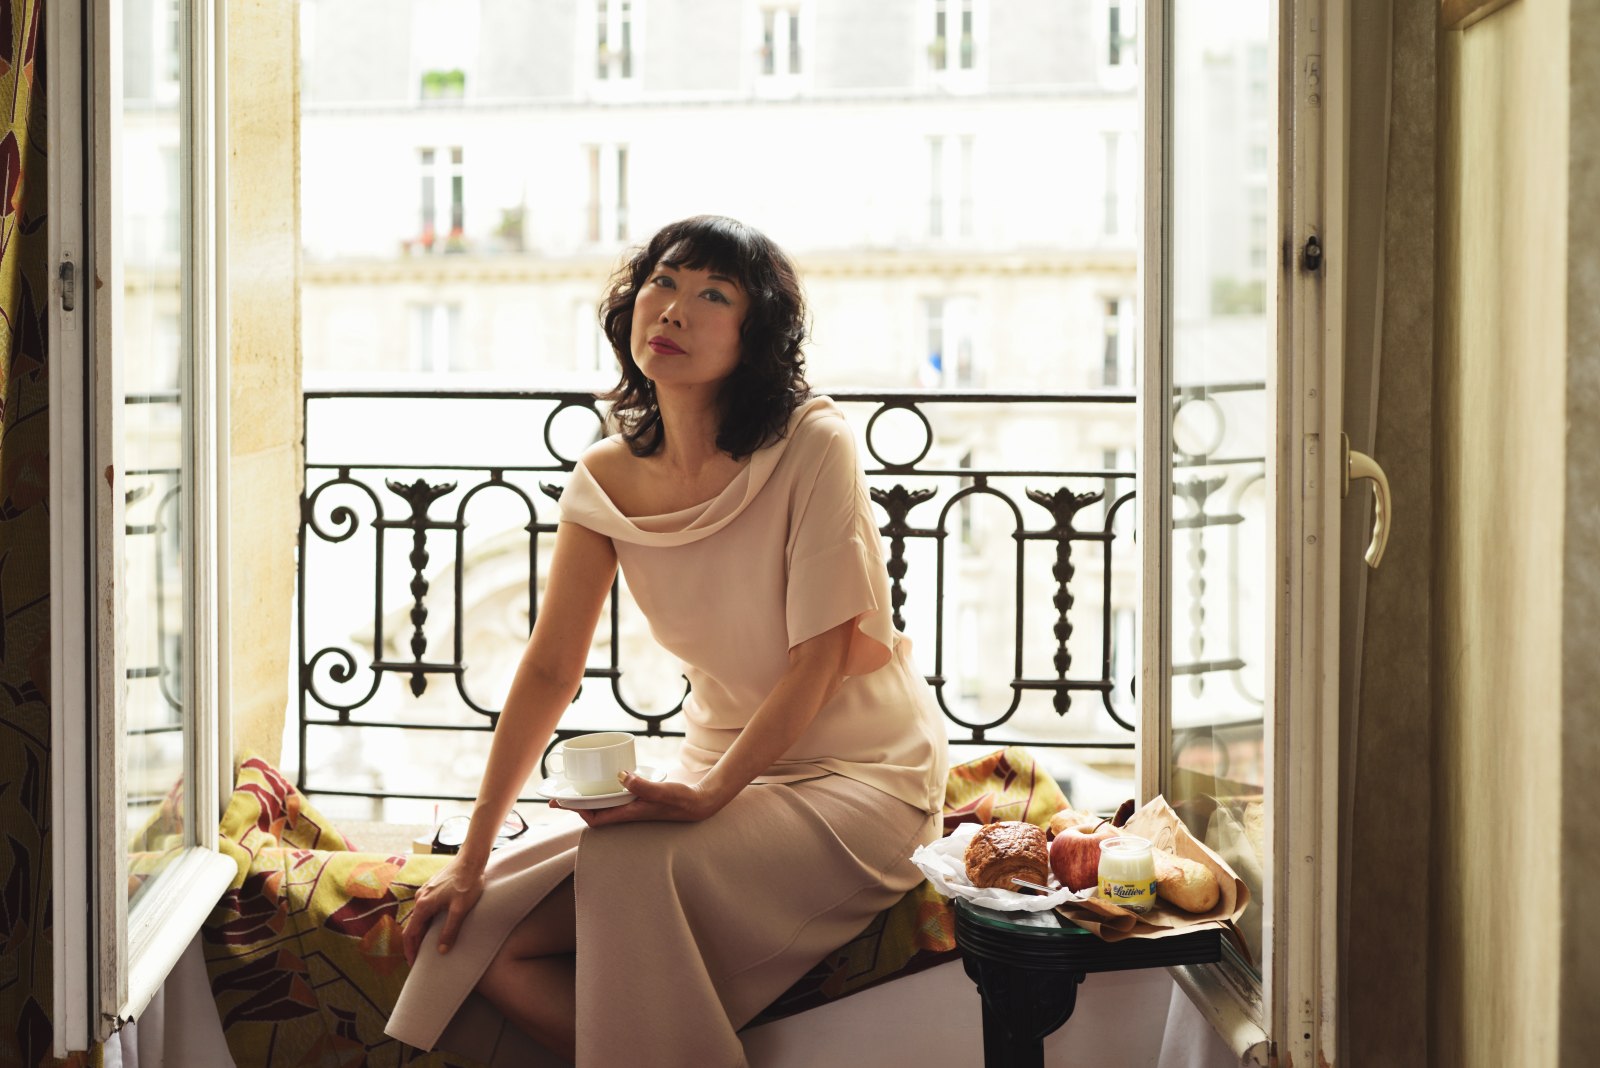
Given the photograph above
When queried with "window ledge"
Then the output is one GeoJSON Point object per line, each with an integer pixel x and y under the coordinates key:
{"type": "Point", "coordinates": [160, 929]}
{"type": "Point", "coordinates": [1232, 1011]}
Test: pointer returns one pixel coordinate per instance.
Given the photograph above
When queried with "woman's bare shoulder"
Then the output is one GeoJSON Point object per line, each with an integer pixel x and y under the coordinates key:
{"type": "Point", "coordinates": [607, 453]}
{"type": "Point", "coordinates": [610, 462]}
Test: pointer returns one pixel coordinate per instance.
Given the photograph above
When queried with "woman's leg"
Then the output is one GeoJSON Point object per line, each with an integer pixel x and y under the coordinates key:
{"type": "Point", "coordinates": [531, 979]}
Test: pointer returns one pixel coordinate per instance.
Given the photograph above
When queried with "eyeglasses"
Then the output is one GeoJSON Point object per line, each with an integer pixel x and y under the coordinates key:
{"type": "Point", "coordinates": [453, 832]}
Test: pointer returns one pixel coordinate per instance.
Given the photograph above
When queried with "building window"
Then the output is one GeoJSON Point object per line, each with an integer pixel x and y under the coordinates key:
{"type": "Point", "coordinates": [1258, 228]}
{"type": "Point", "coordinates": [613, 39]}
{"type": "Point", "coordinates": [608, 193]}
{"type": "Point", "coordinates": [1122, 22]}
{"type": "Point", "coordinates": [953, 46]}
{"type": "Point", "coordinates": [444, 47]}
{"type": "Point", "coordinates": [443, 199]}
{"type": "Point", "coordinates": [1112, 361]}
{"type": "Point", "coordinates": [174, 43]}
{"type": "Point", "coordinates": [1113, 142]}
{"type": "Point", "coordinates": [947, 359]}
{"type": "Point", "coordinates": [171, 215]}
{"type": "Point", "coordinates": [780, 42]}
{"type": "Point", "coordinates": [950, 185]}
{"type": "Point", "coordinates": [592, 348]}
{"type": "Point", "coordinates": [970, 622]}
{"type": "Point", "coordinates": [1124, 654]}
{"type": "Point", "coordinates": [968, 539]}
{"type": "Point", "coordinates": [435, 335]}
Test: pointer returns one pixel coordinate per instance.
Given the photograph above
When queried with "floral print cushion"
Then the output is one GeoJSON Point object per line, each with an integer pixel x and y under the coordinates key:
{"type": "Point", "coordinates": [303, 950]}
{"type": "Point", "coordinates": [304, 953]}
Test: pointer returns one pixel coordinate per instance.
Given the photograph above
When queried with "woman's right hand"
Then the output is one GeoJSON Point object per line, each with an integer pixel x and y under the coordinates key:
{"type": "Point", "coordinates": [453, 891]}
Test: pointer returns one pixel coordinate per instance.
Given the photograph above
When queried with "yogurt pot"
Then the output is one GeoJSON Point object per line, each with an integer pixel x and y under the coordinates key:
{"type": "Point", "coordinates": [1128, 873]}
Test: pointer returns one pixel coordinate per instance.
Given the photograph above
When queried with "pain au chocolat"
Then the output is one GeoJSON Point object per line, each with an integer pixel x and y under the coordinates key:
{"type": "Point", "coordinates": [1001, 851]}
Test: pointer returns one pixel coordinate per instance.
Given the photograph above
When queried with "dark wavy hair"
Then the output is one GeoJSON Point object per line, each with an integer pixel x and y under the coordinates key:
{"type": "Point", "coordinates": [769, 382]}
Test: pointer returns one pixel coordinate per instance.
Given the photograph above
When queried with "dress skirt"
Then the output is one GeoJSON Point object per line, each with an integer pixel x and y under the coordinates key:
{"type": "Point", "coordinates": [684, 930]}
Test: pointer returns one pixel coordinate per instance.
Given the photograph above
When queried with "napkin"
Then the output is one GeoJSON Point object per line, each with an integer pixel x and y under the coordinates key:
{"type": "Point", "coordinates": [944, 862]}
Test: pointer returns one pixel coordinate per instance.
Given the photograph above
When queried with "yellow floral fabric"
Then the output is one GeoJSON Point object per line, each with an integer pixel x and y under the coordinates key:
{"type": "Point", "coordinates": [304, 951]}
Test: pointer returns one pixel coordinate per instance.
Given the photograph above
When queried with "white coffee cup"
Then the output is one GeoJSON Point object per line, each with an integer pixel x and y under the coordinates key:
{"type": "Point", "coordinates": [590, 763]}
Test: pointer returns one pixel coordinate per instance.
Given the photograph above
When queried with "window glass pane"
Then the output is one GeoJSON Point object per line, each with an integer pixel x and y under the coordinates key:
{"type": "Point", "coordinates": [622, 192]}
{"type": "Point", "coordinates": [1113, 170]}
{"type": "Point", "coordinates": [425, 162]}
{"type": "Point", "coordinates": [625, 33]}
{"type": "Point", "coordinates": [1222, 338]}
{"type": "Point", "coordinates": [154, 351]}
{"type": "Point", "coordinates": [1111, 357]}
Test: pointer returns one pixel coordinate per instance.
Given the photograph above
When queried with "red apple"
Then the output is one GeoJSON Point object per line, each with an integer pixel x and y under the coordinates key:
{"type": "Point", "coordinates": [1075, 854]}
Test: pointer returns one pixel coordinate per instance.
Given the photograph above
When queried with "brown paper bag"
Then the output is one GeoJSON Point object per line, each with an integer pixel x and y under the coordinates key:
{"type": "Point", "coordinates": [1157, 822]}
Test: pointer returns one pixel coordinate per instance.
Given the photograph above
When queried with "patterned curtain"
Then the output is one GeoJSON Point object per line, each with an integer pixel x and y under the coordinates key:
{"type": "Point", "coordinates": [26, 1033]}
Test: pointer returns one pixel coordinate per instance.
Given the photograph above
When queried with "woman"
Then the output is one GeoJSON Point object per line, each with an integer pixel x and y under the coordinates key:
{"type": "Point", "coordinates": [814, 758]}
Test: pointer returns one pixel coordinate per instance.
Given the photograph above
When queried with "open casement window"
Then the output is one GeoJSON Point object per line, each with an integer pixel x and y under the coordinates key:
{"type": "Point", "coordinates": [136, 411]}
{"type": "Point", "coordinates": [1241, 389]}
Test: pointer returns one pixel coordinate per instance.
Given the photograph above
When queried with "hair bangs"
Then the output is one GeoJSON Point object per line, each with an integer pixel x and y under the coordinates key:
{"type": "Point", "coordinates": [712, 244]}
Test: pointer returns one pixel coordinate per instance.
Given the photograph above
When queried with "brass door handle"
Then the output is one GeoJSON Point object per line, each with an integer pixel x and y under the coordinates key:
{"type": "Point", "coordinates": [1360, 465]}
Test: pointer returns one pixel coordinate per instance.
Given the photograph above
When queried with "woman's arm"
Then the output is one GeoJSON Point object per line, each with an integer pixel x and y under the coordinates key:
{"type": "Point", "coordinates": [816, 668]}
{"type": "Point", "coordinates": [581, 572]}
{"type": "Point", "coordinates": [582, 569]}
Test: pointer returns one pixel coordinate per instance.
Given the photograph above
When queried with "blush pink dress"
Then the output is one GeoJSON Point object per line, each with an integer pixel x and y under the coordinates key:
{"type": "Point", "coordinates": [686, 930]}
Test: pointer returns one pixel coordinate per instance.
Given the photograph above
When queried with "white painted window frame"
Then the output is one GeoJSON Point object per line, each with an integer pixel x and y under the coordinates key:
{"type": "Point", "coordinates": [1291, 1016]}
{"type": "Point", "coordinates": [107, 962]}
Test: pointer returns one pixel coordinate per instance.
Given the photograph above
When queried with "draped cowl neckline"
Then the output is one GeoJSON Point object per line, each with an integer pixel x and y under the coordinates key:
{"type": "Point", "coordinates": [584, 500]}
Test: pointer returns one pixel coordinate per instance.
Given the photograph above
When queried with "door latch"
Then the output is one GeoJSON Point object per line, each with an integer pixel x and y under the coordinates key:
{"type": "Point", "coordinates": [1360, 465]}
{"type": "Point", "coordinates": [1311, 254]}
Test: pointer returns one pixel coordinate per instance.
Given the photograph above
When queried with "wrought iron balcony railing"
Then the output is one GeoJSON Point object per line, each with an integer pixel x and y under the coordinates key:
{"type": "Point", "coordinates": [394, 532]}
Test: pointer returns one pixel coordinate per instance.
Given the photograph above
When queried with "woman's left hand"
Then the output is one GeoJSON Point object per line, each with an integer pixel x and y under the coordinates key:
{"type": "Point", "coordinates": [660, 801]}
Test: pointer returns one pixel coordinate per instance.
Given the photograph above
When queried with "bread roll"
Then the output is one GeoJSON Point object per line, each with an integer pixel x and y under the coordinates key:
{"type": "Point", "coordinates": [1071, 817]}
{"type": "Point", "coordinates": [1188, 884]}
{"type": "Point", "coordinates": [1003, 850]}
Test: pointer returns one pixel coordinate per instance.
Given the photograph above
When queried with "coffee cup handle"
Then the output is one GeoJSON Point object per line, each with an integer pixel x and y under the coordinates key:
{"type": "Point", "coordinates": [561, 770]}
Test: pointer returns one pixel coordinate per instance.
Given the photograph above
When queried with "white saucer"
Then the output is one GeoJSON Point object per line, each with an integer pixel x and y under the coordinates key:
{"type": "Point", "coordinates": [556, 789]}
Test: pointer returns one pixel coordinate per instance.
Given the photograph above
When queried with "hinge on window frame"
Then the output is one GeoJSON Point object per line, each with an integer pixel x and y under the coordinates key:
{"type": "Point", "coordinates": [68, 273]}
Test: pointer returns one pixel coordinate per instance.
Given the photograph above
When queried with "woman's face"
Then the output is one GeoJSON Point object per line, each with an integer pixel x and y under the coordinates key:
{"type": "Point", "coordinates": [686, 326]}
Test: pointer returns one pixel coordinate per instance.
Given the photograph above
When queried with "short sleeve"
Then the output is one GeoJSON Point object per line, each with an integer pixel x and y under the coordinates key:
{"type": "Point", "coordinates": [836, 571]}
